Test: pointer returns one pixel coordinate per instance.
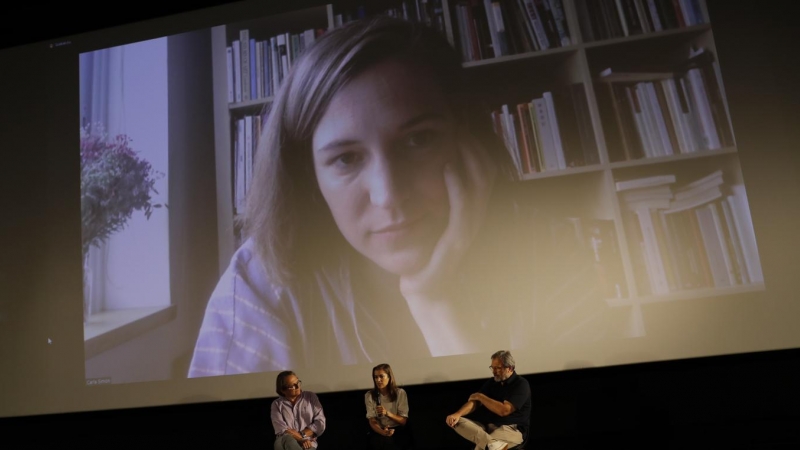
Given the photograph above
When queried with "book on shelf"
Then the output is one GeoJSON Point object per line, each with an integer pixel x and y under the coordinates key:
{"type": "Point", "coordinates": [608, 19]}
{"type": "Point", "coordinates": [256, 67]}
{"type": "Point", "coordinates": [244, 59]}
{"type": "Point", "coordinates": [551, 132]}
{"type": "Point", "coordinates": [694, 235]}
{"type": "Point", "coordinates": [652, 114]}
{"type": "Point", "coordinates": [245, 141]}
{"type": "Point", "coordinates": [428, 12]}
{"type": "Point", "coordinates": [646, 182]}
{"type": "Point", "coordinates": [493, 28]}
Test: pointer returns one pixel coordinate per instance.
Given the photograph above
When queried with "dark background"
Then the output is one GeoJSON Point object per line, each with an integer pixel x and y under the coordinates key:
{"type": "Point", "coordinates": [742, 401]}
{"type": "Point", "coordinates": [734, 401]}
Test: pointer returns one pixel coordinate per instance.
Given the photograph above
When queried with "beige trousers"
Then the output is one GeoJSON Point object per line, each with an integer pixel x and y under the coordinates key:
{"type": "Point", "coordinates": [482, 435]}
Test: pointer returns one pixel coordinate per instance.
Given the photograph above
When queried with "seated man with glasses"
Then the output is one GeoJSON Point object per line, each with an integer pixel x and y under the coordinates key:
{"type": "Point", "coordinates": [297, 415]}
{"type": "Point", "coordinates": [503, 405]}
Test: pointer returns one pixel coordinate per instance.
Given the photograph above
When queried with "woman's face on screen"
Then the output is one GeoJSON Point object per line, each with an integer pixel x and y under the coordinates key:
{"type": "Point", "coordinates": [379, 153]}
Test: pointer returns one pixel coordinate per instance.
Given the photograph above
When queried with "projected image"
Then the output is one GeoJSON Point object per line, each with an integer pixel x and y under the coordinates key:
{"type": "Point", "coordinates": [401, 184]}
{"type": "Point", "coordinates": [124, 180]}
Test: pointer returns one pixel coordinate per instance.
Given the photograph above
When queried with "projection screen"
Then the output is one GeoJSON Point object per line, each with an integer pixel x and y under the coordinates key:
{"type": "Point", "coordinates": [584, 194]}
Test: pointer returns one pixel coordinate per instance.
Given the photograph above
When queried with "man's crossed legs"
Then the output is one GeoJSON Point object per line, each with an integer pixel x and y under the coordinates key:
{"type": "Point", "coordinates": [489, 436]}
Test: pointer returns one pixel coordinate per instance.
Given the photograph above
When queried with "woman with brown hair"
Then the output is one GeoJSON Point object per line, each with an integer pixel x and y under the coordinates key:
{"type": "Point", "coordinates": [387, 411]}
{"type": "Point", "coordinates": [381, 222]}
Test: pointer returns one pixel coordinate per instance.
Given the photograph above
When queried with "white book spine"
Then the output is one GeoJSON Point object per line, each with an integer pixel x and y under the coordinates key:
{"type": "Point", "coordinates": [653, 254]}
{"type": "Point", "coordinates": [657, 180]}
{"type": "Point", "coordinates": [639, 121]}
{"type": "Point", "coordinates": [621, 13]}
{"type": "Point", "coordinates": [740, 209]}
{"type": "Point", "coordinates": [240, 166]}
{"type": "Point", "coordinates": [736, 243]}
{"type": "Point", "coordinates": [331, 18]}
{"type": "Point", "coordinates": [551, 112]}
{"type": "Point", "coordinates": [700, 96]}
{"type": "Point", "coordinates": [308, 38]}
{"type": "Point", "coordinates": [249, 141]}
{"type": "Point", "coordinates": [654, 15]}
{"type": "Point", "coordinates": [649, 123]}
{"type": "Point", "coordinates": [509, 137]}
{"type": "Point", "coordinates": [716, 261]}
{"type": "Point", "coordinates": [721, 236]}
{"type": "Point", "coordinates": [487, 5]}
{"type": "Point", "coordinates": [549, 153]}
{"type": "Point", "coordinates": [661, 124]}
{"type": "Point", "coordinates": [513, 131]}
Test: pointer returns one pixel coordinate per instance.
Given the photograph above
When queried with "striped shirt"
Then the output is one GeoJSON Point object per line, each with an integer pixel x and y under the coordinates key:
{"type": "Point", "coordinates": [306, 412]}
{"type": "Point", "coordinates": [252, 325]}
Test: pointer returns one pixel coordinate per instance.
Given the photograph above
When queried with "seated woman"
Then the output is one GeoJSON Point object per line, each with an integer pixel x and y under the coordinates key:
{"type": "Point", "coordinates": [387, 411]}
{"type": "Point", "coordinates": [382, 221]}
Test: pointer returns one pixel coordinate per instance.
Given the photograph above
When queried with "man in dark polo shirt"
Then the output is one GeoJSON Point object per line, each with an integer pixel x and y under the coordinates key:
{"type": "Point", "coordinates": [502, 406]}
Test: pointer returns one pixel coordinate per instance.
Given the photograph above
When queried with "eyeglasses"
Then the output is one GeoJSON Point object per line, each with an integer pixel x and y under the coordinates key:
{"type": "Point", "coordinates": [493, 368]}
{"type": "Point", "coordinates": [294, 386]}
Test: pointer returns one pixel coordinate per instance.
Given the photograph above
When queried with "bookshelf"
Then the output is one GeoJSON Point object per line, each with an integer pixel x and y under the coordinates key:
{"type": "Point", "coordinates": [595, 158]}
{"type": "Point", "coordinates": [228, 109]}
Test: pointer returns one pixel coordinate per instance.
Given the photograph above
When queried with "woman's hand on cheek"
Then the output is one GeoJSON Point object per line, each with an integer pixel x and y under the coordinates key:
{"type": "Point", "coordinates": [431, 293]}
{"type": "Point", "coordinates": [469, 184]}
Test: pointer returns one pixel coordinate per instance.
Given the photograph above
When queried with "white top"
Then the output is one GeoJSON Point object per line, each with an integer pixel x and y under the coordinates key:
{"type": "Point", "coordinates": [399, 407]}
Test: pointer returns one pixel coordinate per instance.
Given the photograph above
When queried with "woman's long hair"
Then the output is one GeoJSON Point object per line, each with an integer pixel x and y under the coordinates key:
{"type": "Point", "coordinates": [287, 218]}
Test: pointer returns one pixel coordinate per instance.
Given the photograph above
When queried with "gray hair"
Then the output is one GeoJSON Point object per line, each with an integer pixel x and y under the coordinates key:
{"type": "Point", "coordinates": [505, 357]}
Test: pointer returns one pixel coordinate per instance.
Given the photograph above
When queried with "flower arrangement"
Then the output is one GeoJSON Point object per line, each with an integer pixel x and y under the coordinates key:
{"type": "Point", "coordinates": [115, 182]}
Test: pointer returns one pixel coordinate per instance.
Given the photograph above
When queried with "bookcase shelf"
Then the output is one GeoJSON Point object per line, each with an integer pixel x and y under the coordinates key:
{"type": "Point", "coordinates": [249, 105]}
{"type": "Point", "coordinates": [672, 158]}
{"type": "Point", "coordinates": [563, 173]}
{"type": "Point", "coordinates": [590, 179]}
{"type": "Point", "coordinates": [521, 56]}
{"type": "Point", "coordinates": [686, 295]}
{"type": "Point", "coordinates": [643, 38]}
{"type": "Point", "coordinates": [227, 110]}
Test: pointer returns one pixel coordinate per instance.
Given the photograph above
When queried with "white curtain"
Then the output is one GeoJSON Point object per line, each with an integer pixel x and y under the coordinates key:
{"type": "Point", "coordinates": [102, 104]}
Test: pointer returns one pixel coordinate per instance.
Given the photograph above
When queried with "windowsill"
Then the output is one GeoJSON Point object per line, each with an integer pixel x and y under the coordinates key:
{"type": "Point", "coordinates": [108, 329]}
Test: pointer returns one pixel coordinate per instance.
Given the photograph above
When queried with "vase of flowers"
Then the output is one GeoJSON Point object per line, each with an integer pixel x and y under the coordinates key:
{"type": "Point", "coordinates": [115, 182]}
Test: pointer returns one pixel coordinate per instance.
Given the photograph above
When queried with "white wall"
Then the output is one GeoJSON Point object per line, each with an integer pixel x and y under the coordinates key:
{"type": "Point", "coordinates": [137, 272]}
